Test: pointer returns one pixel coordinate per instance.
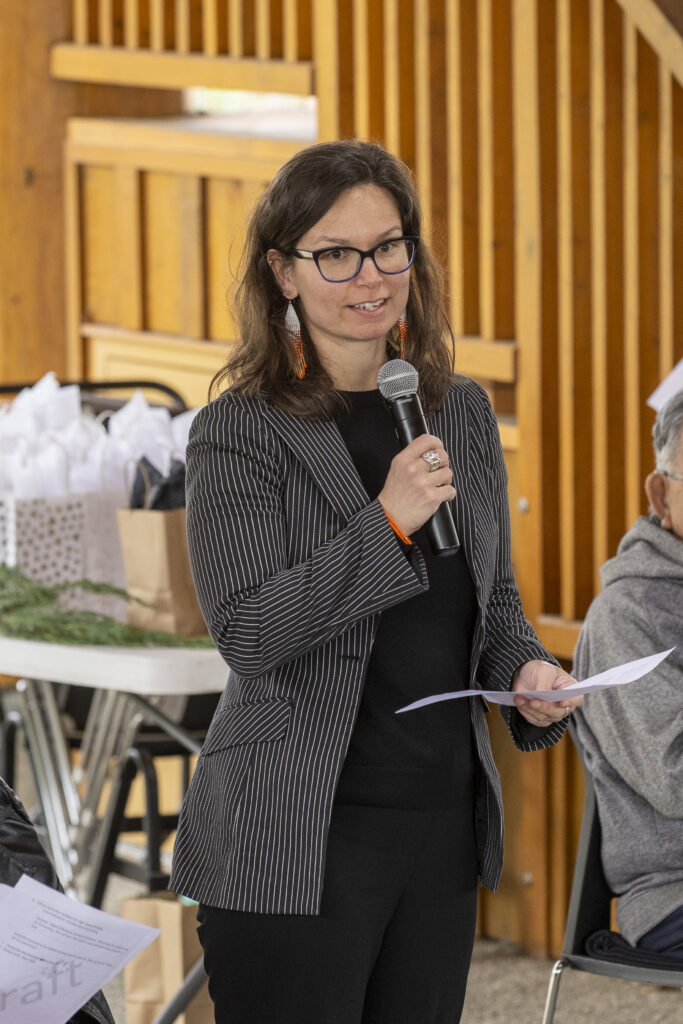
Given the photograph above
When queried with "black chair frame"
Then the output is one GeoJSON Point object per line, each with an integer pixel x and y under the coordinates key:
{"type": "Point", "coordinates": [590, 910]}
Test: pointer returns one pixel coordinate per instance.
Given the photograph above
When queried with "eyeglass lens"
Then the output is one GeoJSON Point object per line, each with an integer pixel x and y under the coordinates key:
{"type": "Point", "coordinates": [390, 257]}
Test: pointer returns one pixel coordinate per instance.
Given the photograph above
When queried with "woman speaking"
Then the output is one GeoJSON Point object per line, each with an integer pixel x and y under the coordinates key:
{"type": "Point", "coordinates": [334, 846]}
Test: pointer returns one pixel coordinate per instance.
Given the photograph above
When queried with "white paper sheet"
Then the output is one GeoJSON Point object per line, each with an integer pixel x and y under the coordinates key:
{"type": "Point", "coordinates": [617, 676]}
{"type": "Point", "coordinates": [55, 953]}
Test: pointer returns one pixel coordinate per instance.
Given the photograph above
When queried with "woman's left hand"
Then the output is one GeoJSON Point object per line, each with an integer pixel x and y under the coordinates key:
{"type": "Point", "coordinates": [542, 675]}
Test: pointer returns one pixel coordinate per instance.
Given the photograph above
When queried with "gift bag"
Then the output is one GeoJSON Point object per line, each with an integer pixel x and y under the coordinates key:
{"type": "Point", "coordinates": [156, 974]}
{"type": "Point", "coordinates": [62, 539]}
{"type": "Point", "coordinates": [158, 571]}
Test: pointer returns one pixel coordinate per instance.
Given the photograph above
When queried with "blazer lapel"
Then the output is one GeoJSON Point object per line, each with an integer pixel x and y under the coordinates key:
{"type": "Point", "coordinates": [319, 446]}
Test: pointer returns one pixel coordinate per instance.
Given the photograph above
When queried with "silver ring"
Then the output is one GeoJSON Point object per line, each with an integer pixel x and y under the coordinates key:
{"type": "Point", "coordinates": [567, 712]}
{"type": "Point", "coordinates": [432, 459]}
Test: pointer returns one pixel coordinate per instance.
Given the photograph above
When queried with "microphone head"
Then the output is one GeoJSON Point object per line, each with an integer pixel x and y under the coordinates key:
{"type": "Point", "coordinates": [397, 378]}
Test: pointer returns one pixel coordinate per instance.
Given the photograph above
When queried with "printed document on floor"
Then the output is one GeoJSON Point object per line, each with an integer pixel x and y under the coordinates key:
{"type": "Point", "coordinates": [617, 676]}
{"type": "Point", "coordinates": [56, 953]}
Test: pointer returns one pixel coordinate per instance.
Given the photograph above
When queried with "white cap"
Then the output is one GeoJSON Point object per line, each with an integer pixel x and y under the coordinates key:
{"type": "Point", "coordinates": [671, 384]}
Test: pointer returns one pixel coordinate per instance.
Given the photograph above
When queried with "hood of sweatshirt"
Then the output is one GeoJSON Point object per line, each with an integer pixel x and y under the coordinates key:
{"type": "Point", "coordinates": [647, 551]}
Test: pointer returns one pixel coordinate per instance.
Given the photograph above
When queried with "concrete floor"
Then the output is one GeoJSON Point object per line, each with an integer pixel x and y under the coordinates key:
{"type": "Point", "coordinates": [507, 987]}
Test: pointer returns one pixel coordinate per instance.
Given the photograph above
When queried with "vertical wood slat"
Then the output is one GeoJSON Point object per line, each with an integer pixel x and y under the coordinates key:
{"type": "Point", "coordinates": [392, 112]}
{"type": "Point", "coordinates": [344, 46]}
{"type": "Point", "coordinates": [547, 381]}
{"type": "Point", "coordinates": [174, 254]}
{"type": "Point", "coordinates": [631, 281]}
{"type": "Point", "coordinates": [290, 29]}
{"type": "Point", "coordinates": [182, 26]}
{"type": "Point", "coordinates": [423, 135]}
{"type": "Point", "coordinates": [263, 29]}
{"type": "Point", "coordinates": [528, 283]}
{"type": "Point", "coordinates": [326, 55]}
{"type": "Point", "coordinates": [222, 198]}
{"type": "Point", "coordinates": [486, 160]}
{"type": "Point", "coordinates": [210, 28]}
{"type": "Point", "coordinates": [131, 24]}
{"type": "Point", "coordinates": [574, 307]}
{"type": "Point", "coordinates": [157, 26]}
{"type": "Point", "coordinates": [454, 157]}
{"type": "Point", "coordinates": [129, 248]}
{"type": "Point", "coordinates": [438, 80]}
{"type": "Point", "coordinates": [599, 291]}
{"type": "Point", "coordinates": [649, 341]}
{"type": "Point", "coordinates": [399, 88]}
{"type": "Point", "coordinates": [565, 311]}
{"type": "Point", "coordinates": [607, 281]}
{"type": "Point", "coordinates": [677, 144]}
{"type": "Point", "coordinates": [361, 69]}
{"type": "Point", "coordinates": [236, 29]}
{"type": "Point", "coordinates": [503, 207]}
{"type": "Point", "coordinates": [99, 220]}
{"type": "Point", "coordinates": [73, 261]}
{"type": "Point", "coordinates": [666, 223]}
{"type": "Point", "coordinates": [227, 202]}
{"type": "Point", "coordinates": [80, 16]}
{"type": "Point", "coordinates": [105, 23]}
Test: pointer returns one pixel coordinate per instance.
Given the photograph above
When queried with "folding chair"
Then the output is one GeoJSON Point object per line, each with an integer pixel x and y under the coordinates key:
{"type": "Point", "coordinates": [590, 911]}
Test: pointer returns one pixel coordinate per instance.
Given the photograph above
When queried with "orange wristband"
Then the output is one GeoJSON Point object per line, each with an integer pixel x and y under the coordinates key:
{"type": "Point", "coordinates": [397, 530]}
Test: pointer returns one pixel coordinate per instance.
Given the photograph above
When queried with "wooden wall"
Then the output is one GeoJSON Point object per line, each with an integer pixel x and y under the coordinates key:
{"type": "Point", "coordinates": [547, 141]}
{"type": "Point", "coordinates": [155, 214]}
{"type": "Point", "coordinates": [33, 116]}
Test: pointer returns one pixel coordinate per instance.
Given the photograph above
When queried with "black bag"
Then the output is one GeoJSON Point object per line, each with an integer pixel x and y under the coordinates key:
{"type": "Point", "coordinates": [21, 853]}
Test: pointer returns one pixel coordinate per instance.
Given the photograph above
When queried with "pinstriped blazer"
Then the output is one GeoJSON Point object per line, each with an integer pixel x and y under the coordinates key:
{"type": "Point", "coordinates": [293, 565]}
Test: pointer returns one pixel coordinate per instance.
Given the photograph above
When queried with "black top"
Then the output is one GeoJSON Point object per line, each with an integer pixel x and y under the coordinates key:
{"type": "Point", "coordinates": [422, 647]}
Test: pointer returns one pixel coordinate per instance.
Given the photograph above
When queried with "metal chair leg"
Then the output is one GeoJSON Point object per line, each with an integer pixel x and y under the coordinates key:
{"type": "Point", "coordinates": [185, 994]}
{"type": "Point", "coordinates": [553, 990]}
{"type": "Point", "coordinates": [9, 725]}
{"type": "Point", "coordinates": [144, 763]}
{"type": "Point", "coordinates": [108, 830]}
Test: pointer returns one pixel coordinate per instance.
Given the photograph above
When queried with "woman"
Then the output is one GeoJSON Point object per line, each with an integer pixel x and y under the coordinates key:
{"type": "Point", "coordinates": [334, 846]}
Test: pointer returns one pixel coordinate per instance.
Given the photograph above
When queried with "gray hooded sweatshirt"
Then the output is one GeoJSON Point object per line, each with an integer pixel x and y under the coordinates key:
{"type": "Point", "coordinates": [633, 735]}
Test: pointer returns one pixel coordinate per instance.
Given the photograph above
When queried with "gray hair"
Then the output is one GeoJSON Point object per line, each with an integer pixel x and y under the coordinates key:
{"type": "Point", "coordinates": [668, 433]}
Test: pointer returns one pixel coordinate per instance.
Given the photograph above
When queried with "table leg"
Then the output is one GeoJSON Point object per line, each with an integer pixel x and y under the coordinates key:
{"type": "Point", "coordinates": [46, 782]}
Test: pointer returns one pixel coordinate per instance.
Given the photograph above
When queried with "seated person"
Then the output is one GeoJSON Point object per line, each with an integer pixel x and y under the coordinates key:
{"type": "Point", "coordinates": [633, 735]}
{"type": "Point", "coordinates": [21, 853]}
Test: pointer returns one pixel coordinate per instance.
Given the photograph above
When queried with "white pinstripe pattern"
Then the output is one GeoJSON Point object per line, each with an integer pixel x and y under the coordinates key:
{"type": "Point", "coordinates": [292, 565]}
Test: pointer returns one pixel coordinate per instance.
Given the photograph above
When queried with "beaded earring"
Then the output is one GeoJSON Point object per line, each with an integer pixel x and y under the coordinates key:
{"type": "Point", "coordinates": [293, 328]}
{"type": "Point", "coordinates": [403, 333]}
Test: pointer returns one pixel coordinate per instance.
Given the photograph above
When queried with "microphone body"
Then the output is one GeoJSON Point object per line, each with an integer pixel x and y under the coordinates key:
{"type": "Point", "coordinates": [410, 423]}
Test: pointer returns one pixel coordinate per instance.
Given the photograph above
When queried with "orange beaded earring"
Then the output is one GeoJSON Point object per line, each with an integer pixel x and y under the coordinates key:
{"type": "Point", "coordinates": [403, 333]}
{"type": "Point", "coordinates": [293, 328]}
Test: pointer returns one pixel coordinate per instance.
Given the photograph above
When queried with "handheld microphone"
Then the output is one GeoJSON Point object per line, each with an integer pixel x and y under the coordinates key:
{"type": "Point", "coordinates": [397, 381]}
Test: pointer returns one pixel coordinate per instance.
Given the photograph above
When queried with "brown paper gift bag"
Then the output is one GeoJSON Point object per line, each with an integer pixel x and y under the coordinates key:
{"type": "Point", "coordinates": [156, 974]}
{"type": "Point", "coordinates": [154, 546]}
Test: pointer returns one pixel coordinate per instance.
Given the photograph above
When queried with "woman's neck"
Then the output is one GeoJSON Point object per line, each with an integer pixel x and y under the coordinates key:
{"type": "Point", "coordinates": [354, 366]}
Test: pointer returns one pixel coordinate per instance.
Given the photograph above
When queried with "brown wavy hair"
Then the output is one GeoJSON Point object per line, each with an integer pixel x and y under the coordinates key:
{"type": "Point", "coordinates": [302, 191]}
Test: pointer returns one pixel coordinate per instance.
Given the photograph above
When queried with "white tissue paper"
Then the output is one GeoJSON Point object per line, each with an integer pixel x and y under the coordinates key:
{"type": "Point", "coordinates": [63, 475]}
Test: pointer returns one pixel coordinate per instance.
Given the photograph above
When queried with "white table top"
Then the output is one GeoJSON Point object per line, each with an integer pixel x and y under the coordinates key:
{"type": "Point", "coordinates": [143, 670]}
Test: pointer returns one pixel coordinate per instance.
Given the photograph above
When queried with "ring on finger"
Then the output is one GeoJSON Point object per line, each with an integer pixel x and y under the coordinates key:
{"type": "Point", "coordinates": [432, 459]}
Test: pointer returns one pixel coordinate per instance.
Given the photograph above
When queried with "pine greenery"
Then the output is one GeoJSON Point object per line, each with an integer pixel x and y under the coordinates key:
{"type": "Point", "coordinates": [30, 611]}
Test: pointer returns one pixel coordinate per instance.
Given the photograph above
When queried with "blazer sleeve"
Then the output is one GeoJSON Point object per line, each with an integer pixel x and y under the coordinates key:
{"type": "Point", "coordinates": [509, 639]}
{"type": "Point", "coordinates": [261, 611]}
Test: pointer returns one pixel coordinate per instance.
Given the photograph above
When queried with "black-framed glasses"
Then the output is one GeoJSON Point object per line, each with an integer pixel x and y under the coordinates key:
{"type": "Point", "coordinates": [671, 476]}
{"type": "Point", "coordinates": [339, 263]}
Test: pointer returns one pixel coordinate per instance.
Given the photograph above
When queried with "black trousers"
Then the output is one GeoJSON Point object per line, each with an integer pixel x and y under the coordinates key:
{"type": "Point", "coordinates": [392, 944]}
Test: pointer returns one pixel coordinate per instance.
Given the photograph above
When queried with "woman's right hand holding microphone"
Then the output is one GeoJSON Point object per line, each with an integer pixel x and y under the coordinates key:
{"type": "Point", "coordinates": [413, 491]}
